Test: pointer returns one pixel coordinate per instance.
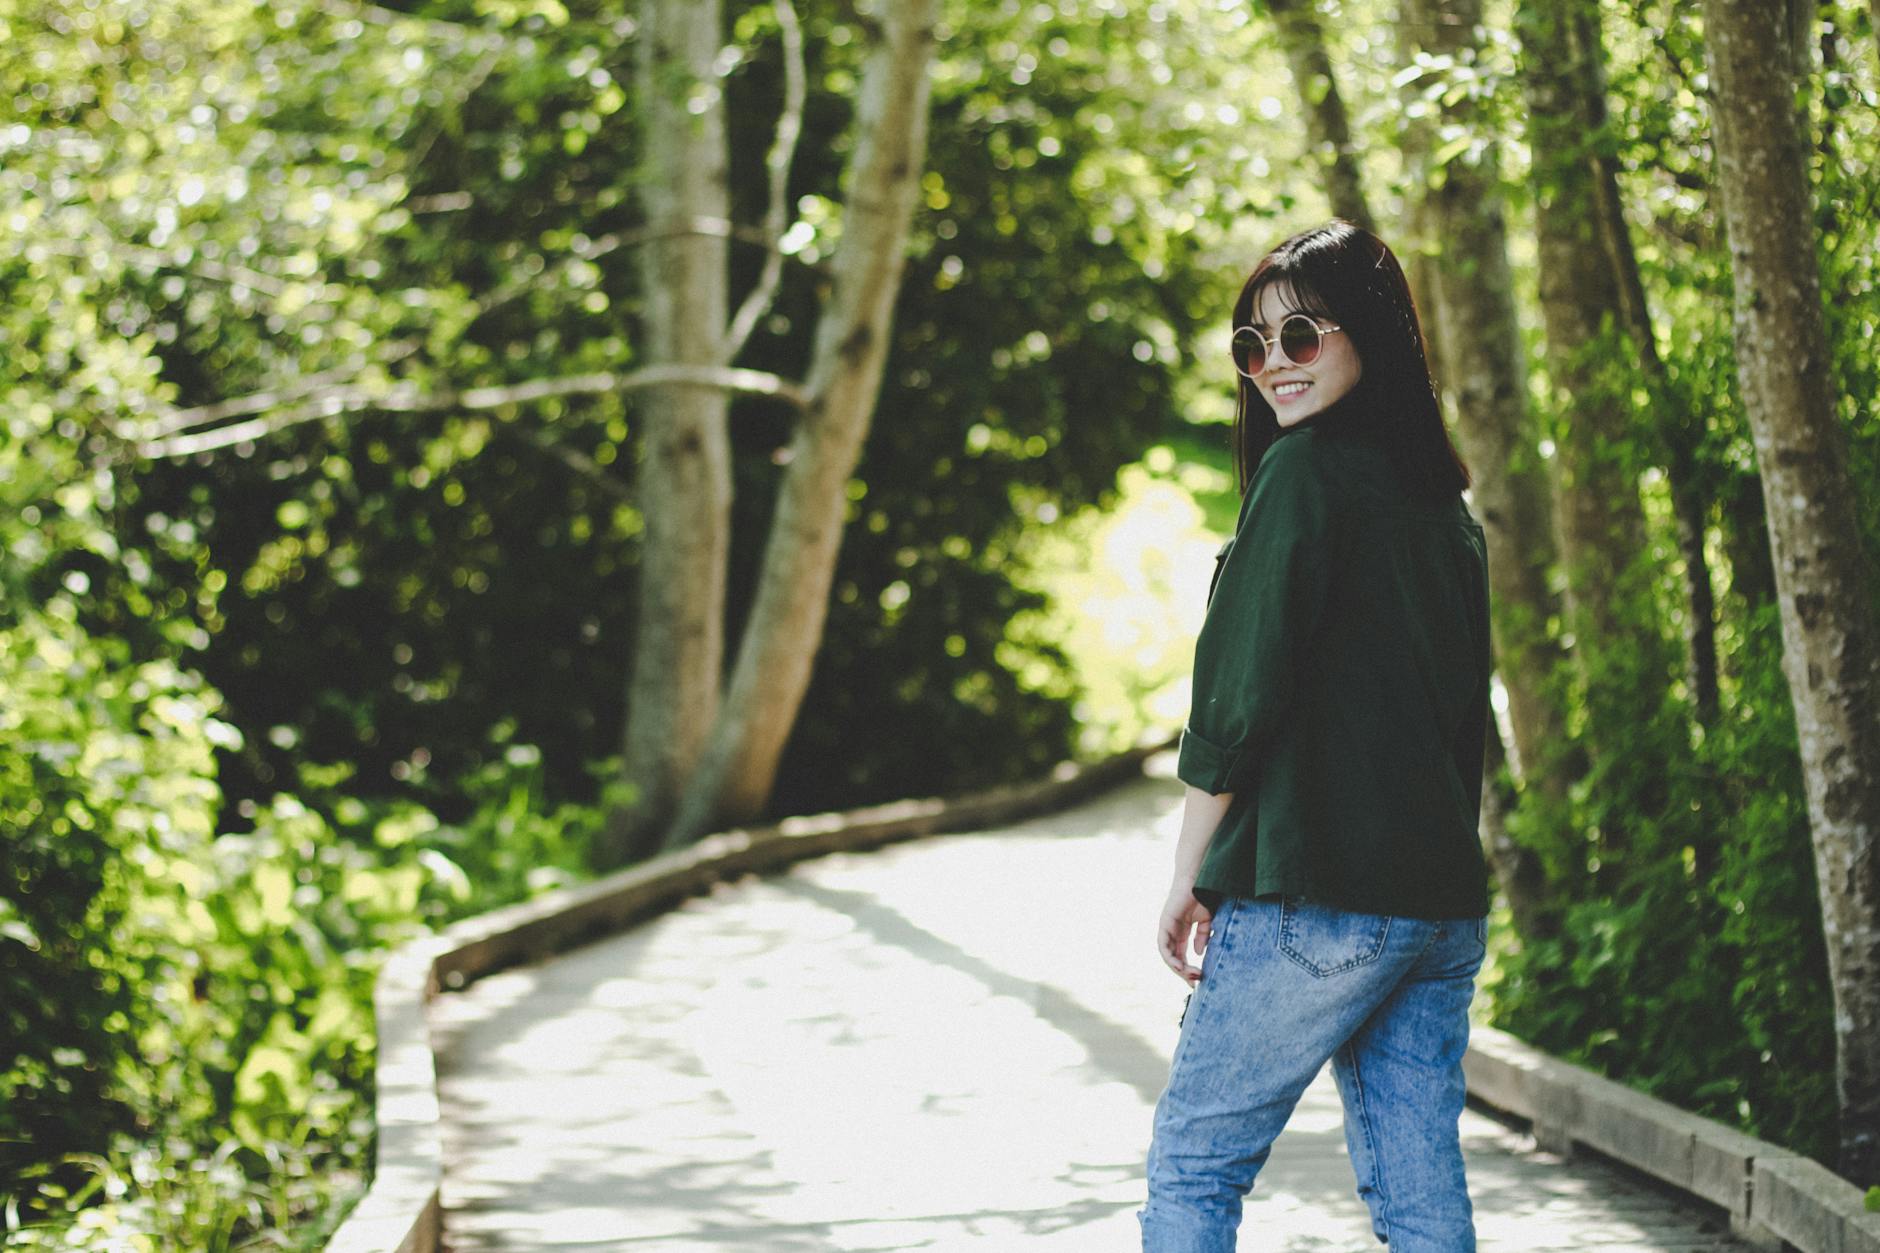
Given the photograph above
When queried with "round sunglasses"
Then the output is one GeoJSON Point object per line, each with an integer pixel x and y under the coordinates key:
{"type": "Point", "coordinates": [1300, 338]}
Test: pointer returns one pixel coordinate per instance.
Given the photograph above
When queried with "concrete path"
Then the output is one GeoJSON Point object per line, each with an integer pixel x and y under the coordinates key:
{"type": "Point", "coordinates": [954, 1043]}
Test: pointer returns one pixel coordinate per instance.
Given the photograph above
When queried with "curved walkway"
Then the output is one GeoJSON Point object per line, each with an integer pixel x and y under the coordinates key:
{"type": "Point", "coordinates": [952, 1043]}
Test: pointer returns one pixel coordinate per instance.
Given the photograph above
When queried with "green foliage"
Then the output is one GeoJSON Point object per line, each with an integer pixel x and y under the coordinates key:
{"type": "Point", "coordinates": [1700, 977]}
{"type": "Point", "coordinates": [386, 583]}
{"type": "Point", "coordinates": [1691, 963]}
{"type": "Point", "coordinates": [108, 774]}
{"type": "Point", "coordinates": [1689, 960]}
{"type": "Point", "coordinates": [242, 1056]}
{"type": "Point", "coordinates": [188, 1039]}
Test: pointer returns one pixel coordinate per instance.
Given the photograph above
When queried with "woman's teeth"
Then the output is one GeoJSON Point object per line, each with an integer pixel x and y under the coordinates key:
{"type": "Point", "coordinates": [1290, 389]}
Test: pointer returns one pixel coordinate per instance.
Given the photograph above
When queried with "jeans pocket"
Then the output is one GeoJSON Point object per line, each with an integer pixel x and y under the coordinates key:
{"type": "Point", "coordinates": [1327, 940]}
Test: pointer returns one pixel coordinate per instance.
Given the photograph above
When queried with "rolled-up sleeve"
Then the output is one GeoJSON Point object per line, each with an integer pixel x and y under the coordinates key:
{"type": "Point", "coordinates": [1269, 594]}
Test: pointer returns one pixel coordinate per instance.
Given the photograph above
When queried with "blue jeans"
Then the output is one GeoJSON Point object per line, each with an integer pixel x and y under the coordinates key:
{"type": "Point", "coordinates": [1285, 984]}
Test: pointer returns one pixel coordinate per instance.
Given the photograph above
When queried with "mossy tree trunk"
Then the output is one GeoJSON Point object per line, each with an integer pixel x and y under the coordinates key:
{"type": "Point", "coordinates": [1831, 640]}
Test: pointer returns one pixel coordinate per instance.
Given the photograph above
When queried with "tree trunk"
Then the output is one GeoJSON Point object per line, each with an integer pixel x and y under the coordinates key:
{"type": "Point", "coordinates": [734, 778]}
{"type": "Point", "coordinates": [1679, 432]}
{"type": "Point", "coordinates": [1417, 253]}
{"type": "Point", "coordinates": [1611, 606]}
{"type": "Point", "coordinates": [684, 478]}
{"type": "Point", "coordinates": [1303, 39]}
{"type": "Point", "coordinates": [1518, 869]}
{"type": "Point", "coordinates": [1829, 635]}
{"type": "Point", "coordinates": [1472, 289]}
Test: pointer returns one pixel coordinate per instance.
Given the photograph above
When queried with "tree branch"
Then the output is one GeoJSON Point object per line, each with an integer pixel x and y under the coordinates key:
{"type": "Point", "coordinates": [410, 398]}
{"type": "Point", "coordinates": [782, 151]}
{"type": "Point", "coordinates": [178, 420]}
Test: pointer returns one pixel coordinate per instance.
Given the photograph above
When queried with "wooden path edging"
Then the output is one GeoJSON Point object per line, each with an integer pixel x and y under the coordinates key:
{"type": "Point", "coordinates": [1775, 1198]}
{"type": "Point", "coordinates": [401, 1211]}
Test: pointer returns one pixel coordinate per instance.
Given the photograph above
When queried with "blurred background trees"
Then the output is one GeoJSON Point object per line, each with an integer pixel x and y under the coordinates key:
{"type": "Point", "coordinates": [326, 513]}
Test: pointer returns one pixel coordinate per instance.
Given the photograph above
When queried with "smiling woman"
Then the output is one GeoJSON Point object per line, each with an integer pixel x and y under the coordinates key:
{"type": "Point", "coordinates": [1331, 308]}
{"type": "Point", "coordinates": [1329, 867]}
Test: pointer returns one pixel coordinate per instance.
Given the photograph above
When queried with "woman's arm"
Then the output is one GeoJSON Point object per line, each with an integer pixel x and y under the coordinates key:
{"type": "Point", "coordinates": [1182, 913]}
{"type": "Point", "coordinates": [1201, 816]}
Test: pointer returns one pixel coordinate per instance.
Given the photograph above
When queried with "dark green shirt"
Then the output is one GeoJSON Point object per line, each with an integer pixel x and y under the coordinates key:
{"type": "Point", "coordinates": [1341, 689]}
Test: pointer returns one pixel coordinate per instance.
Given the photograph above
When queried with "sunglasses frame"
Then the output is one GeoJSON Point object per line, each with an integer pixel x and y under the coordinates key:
{"type": "Point", "coordinates": [1270, 347]}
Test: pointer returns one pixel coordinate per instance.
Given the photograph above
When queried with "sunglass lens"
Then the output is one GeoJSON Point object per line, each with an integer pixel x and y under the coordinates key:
{"type": "Point", "coordinates": [1299, 339]}
{"type": "Point", "coordinates": [1249, 351]}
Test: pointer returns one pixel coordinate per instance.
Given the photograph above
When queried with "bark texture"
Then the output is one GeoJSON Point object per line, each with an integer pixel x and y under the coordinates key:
{"type": "Point", "coordinates": [733, 780]}
{"type": "Point", "coordinates": [1472, 289]}
{"type": "Point", "coordinates": [1679, 433]}
{"type": "Point", "coordinates": [1418, 245]}
{"type": "Point", "coordinates": [684, 477]}
{"type": "Point", "coordinates": [1599, 518]}
{"type": "Point", "coordinates": [1831, 654]}
{"type": "Point", "coordinates": [1302, 38]}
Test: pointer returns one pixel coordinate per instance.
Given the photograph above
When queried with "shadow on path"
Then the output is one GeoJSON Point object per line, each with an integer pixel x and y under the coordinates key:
{"type": "Point", "coordinates": [1113, 1047]}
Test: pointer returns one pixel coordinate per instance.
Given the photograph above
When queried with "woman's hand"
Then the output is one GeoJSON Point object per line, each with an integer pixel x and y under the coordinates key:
{"type": "Point", "coordinates": [1201, 815]}
{"type": "Point", "coordinates": [1181, 914]}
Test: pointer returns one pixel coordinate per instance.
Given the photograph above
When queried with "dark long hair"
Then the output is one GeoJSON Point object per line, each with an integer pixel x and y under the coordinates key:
{"type": "Point", "coordinates": [1347, 275]}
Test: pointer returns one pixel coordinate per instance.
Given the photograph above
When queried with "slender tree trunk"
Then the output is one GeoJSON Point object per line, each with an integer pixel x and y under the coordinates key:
{"type": "Point", "coordinates": [1303, 39]}
{"type": "Point", "coordinates": [1418, 255]}
{"type": "Point", "coordinates": [1679, 432]}
{"type": "Point", "coordinates": [1518, 869]}
{"type": "Point", "coordinates": [1473, 289]}
{"type": "Point", "coordinates": [1599, 518]}
{"type": "Point", "coordinates": [1831, 641]}
{"type": "Point", "coordinates": [684, 478]}
{"type": "Point", "coordinates": [1690, 509]}
{"type": "Point", "coordinates": [735, 776]}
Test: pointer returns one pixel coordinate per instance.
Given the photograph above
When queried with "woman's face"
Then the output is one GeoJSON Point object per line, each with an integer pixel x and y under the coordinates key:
{"type": "Point", "coordinates": [1296, 392]}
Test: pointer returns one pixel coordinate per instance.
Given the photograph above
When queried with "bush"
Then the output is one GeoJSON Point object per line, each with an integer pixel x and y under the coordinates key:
{"type": "Point", "coordinates": [190, 1014]}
